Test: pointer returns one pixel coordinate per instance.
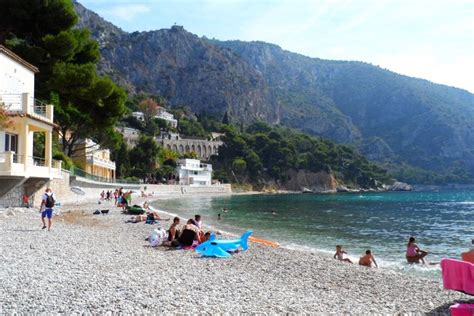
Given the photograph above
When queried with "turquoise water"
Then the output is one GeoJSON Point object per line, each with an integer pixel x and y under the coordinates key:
{"type": "Point", "coordinates": [442, 222]}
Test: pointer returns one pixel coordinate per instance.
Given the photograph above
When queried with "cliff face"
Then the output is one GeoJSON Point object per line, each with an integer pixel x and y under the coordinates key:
{"type": "Point", "coordinates": [389, 117]}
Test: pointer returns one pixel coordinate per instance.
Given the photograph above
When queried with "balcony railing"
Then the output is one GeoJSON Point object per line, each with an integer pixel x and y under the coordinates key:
{"type": "Point", "coordinates": [26, 103]}
{"type": "Point", "coordinates": [74, 171]}
{"type": "Point", "coordinates": [21, 165]}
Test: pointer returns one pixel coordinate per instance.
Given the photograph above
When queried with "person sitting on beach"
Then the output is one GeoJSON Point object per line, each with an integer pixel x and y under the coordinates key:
{"type": "Point", "coordinates": [190, 234]}
{"type": "Point", "coordinates": [414, 254]}
{"type": "Point", "coordinates": [340, 254]}
{"type": "Point", "coordinates": [468, 255]}
{"type": "Point", "coordinates": [367, 260]}
{"type": "Point", "coordinates": [173, 232]}
{"type": "Point", "coordinates": [197, 219]}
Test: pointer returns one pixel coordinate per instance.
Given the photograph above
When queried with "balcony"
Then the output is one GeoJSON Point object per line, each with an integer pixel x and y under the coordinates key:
{"type": "Point", "coordinates": [12, 164]}
{"type": "Point", "coordinates": [93, 160]}
{"type": "Point", "coordinates": [25, 103]}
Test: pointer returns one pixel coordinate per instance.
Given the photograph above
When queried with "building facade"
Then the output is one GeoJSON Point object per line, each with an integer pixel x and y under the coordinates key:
{"type": "Point", "coordinates": [89, 157]}
{"type": "Point", "coordinates": [193, 172]}
{"type": "Point", "coordinates": [19, 166]}
{"type": "Point", "coordinates": [162, 114]}
{"type": "Point", "coordinates": [203, 148]}
{"type": "Point", "coordinates": [130, 135]}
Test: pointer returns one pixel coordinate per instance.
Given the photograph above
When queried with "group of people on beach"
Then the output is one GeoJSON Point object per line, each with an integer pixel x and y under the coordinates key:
{"type": "Point", "coordinates": [187, 236]}
{"type": "Point", "coordinates": [413, 255]}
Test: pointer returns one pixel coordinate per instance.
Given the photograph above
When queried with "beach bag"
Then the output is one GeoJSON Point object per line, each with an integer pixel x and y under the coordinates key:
{"type": "Point", "coordinates": [49, 201]}
{"type": "Point", "coordinates": [157, 237]}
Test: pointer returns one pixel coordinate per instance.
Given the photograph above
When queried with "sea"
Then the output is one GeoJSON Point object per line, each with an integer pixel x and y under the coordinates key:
{"type": "Point", "coordinates": [442, 222]}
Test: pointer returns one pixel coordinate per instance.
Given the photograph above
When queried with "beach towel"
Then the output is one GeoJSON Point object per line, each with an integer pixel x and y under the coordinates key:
{"type": "Point", "coordinates": [462, 309]}
{"type": "Point", "coordinates": [458, 275]}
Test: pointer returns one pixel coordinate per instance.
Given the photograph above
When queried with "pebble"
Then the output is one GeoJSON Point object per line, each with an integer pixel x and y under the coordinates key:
{"type": "Point", "coordinates": [101, 265]}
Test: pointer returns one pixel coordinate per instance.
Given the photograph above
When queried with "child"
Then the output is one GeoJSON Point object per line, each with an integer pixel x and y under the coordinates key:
{"type": "Point", "coordinates": [367, 260]}
{"type": "Point", "coordinates": [340, 254]}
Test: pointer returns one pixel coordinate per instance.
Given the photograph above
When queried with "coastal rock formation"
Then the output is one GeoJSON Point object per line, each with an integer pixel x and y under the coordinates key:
{"type": "Point", "coordinates": [400, 186]}
{"type": "Point", "coordinates": [392, 118]}
{"type": "Point", "coordinates": [314, 181]}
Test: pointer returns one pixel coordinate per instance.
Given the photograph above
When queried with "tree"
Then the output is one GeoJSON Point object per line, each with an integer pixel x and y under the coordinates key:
{"type": "Point", "coordinates": [144, 158]}
{"type": "Point", "coordinates": [43, 33]}
{"type": "Point", "coordinates": [225, 119]}
{"type": "Point", "coordinates": [4, 118]}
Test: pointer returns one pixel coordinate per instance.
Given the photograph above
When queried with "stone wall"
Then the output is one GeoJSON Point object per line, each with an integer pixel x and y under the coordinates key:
{"type": "Point", "coordinates": [13, 197]}
{"type": "Point", "coordinates": [185, 189]}
{"type": "Point", "coordinates": [203, 148]}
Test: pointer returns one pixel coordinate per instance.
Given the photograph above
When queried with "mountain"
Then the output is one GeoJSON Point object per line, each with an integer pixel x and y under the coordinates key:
{"type": "Point", "coordinates": [394, 119]}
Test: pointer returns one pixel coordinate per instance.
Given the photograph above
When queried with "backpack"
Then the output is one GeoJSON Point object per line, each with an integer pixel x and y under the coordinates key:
{"type": "Point", "coordinates": [49, 201]}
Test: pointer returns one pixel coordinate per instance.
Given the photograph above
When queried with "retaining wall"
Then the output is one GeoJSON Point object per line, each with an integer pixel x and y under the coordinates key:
{"type": "Point", "coordinates": [185, 189]}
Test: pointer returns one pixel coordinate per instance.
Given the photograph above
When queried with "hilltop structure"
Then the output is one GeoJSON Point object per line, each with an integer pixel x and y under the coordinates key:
{"type": "Point", "coordinates": [203, 148]}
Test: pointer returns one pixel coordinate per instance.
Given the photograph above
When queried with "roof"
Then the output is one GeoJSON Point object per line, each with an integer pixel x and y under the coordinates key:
{"type": "Point", "coordinates": [17, 58]}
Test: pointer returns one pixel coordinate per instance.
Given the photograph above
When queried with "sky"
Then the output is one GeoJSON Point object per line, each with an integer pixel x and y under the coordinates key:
{"type": "Point", "coordinates": [432, 40]}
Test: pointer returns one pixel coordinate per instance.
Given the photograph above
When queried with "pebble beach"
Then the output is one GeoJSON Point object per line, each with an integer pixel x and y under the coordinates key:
{"type": "Point", "coordinates": [98, 264]}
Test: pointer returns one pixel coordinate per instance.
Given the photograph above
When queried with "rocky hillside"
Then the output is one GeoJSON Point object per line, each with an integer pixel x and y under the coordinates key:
{"type": "Point", "coordinates": [391, 118]}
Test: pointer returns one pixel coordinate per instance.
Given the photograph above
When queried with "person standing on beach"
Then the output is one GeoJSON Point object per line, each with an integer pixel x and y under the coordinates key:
{"type": "Point", "coordinates": [414, 254]}
{"type": "Point", "coordinates": [469, 255]}
{"type": "Point", "coordinates": [367, 260]}
{"type": "Point", "coordinates": [47, 202]}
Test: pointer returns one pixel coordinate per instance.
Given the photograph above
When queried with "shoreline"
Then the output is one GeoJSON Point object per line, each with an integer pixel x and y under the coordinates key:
{"type": "Point", "coordinates": [98, 264]}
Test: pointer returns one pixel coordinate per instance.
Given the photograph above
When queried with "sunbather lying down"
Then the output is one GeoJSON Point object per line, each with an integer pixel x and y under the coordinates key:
{"type": "Point", "coordinates": [149, 216]}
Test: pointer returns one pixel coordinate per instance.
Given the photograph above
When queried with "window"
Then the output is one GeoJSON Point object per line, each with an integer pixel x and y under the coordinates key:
{"type": "Point", "coordinates": [11, 142]}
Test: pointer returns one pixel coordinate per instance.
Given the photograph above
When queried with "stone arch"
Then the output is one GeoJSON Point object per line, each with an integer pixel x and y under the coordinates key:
{"type": "Point", "coordinates": [209, 151]}
{"type": "Point", "coordinates": [214, 150]}
{"type": "Point", "coordinates": [181, 149]}
{"type": "Point", "coordinates": [175, 148]}
{"type": "Point", "coordinates": [204, 151]}
{"type": "Point", "coordinates": [187, 148]}
{"type": "Point", "coordinates": [193, 148]}
{"type": "Point", "coordinates": [168, 146]}
{"type": "Point", "coordinates": [199, 150]}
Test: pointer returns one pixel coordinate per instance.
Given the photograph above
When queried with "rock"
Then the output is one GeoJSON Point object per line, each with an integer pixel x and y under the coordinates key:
{"type": "Point", "coordinates": [400, 186]}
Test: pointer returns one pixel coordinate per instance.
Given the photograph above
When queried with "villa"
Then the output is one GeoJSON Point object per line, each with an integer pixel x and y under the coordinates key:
{"type": "Point", "coordinates": [20, 167]}
{"type": "Point", "coordinates": [94, 160]}
{"type": "Point", "coordinates": [193, 172]}
{"type": "Point", "coordinates": [162, 114]}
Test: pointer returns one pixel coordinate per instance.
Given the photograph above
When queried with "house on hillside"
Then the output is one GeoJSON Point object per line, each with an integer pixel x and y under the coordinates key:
{"type": "Point", "coordinates": [193, 172]}
{"type": "Point", "coordinates": [162, 114]}
{"type": "Point", "coordinates": [130, 135]}
{"type": "Point", "coordinates": [94, 160]}
{"type": "Point", "coordinates": [22, 169]}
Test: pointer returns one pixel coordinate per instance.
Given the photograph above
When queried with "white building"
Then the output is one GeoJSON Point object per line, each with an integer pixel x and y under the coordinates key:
{"type": "Point", "coordinates": [193, 172]}
{"type": "Point", "coordinates": [162, 114]}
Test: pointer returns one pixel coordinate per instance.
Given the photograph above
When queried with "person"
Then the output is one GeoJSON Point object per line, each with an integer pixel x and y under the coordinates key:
{"type": "Point", "coordinates": [198, 220]}
{"type": "Point", "coordinates": [115, 197]}
{"type": "Point", "coordinates": [340, 254]}
{"type": "Point", "coordinates": [190, 234]}
{"type": "Point", "coordinates": [102, 195]}
{"type": "Point", "coordinates": [274, 213]}
{"type": "Point", "coordinates": [47, 207]}
{"type": "Point", "coordinates": [468, 255]}
{"type": "Point", "coordinates": [367, 260]}
{"type": "Point", "coordinates": [26, 201]}
{"type": "Point", "coordinates": [151, 217]}
{"type": "Point", "coordinates": [219, 216]}
{"type": "Point", "coordinates": [173, 232]}
{"type": "Point", "coordinates": [414, 254]}
{"type": "Point", "coordinates": [107, 195]}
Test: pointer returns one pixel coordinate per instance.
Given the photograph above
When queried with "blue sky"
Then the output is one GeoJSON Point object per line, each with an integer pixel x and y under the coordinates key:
{"type": "Point", "coordinates": [433, 40]}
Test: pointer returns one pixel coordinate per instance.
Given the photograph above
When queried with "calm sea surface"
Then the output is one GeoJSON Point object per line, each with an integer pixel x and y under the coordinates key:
{"type": "Point", "coordinates": [442, 222]}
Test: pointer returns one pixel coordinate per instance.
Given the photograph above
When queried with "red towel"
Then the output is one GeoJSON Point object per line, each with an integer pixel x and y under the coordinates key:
{"type": "Point", "coordinates": [458, 275]}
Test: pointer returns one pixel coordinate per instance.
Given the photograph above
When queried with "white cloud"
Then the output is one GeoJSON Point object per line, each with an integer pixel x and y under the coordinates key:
{"type": "Point", "coordinates": [127, 12]}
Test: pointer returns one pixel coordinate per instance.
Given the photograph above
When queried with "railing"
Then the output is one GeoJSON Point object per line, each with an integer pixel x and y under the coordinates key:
{"type": "Point", "coordinates": [74, 171]}
{"type": "Point", "coordinates": [92, 159]}
{"type": "Point", "coordinates": [39, 107]}
{"type": "Point", "coordinates": [24, 103]}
